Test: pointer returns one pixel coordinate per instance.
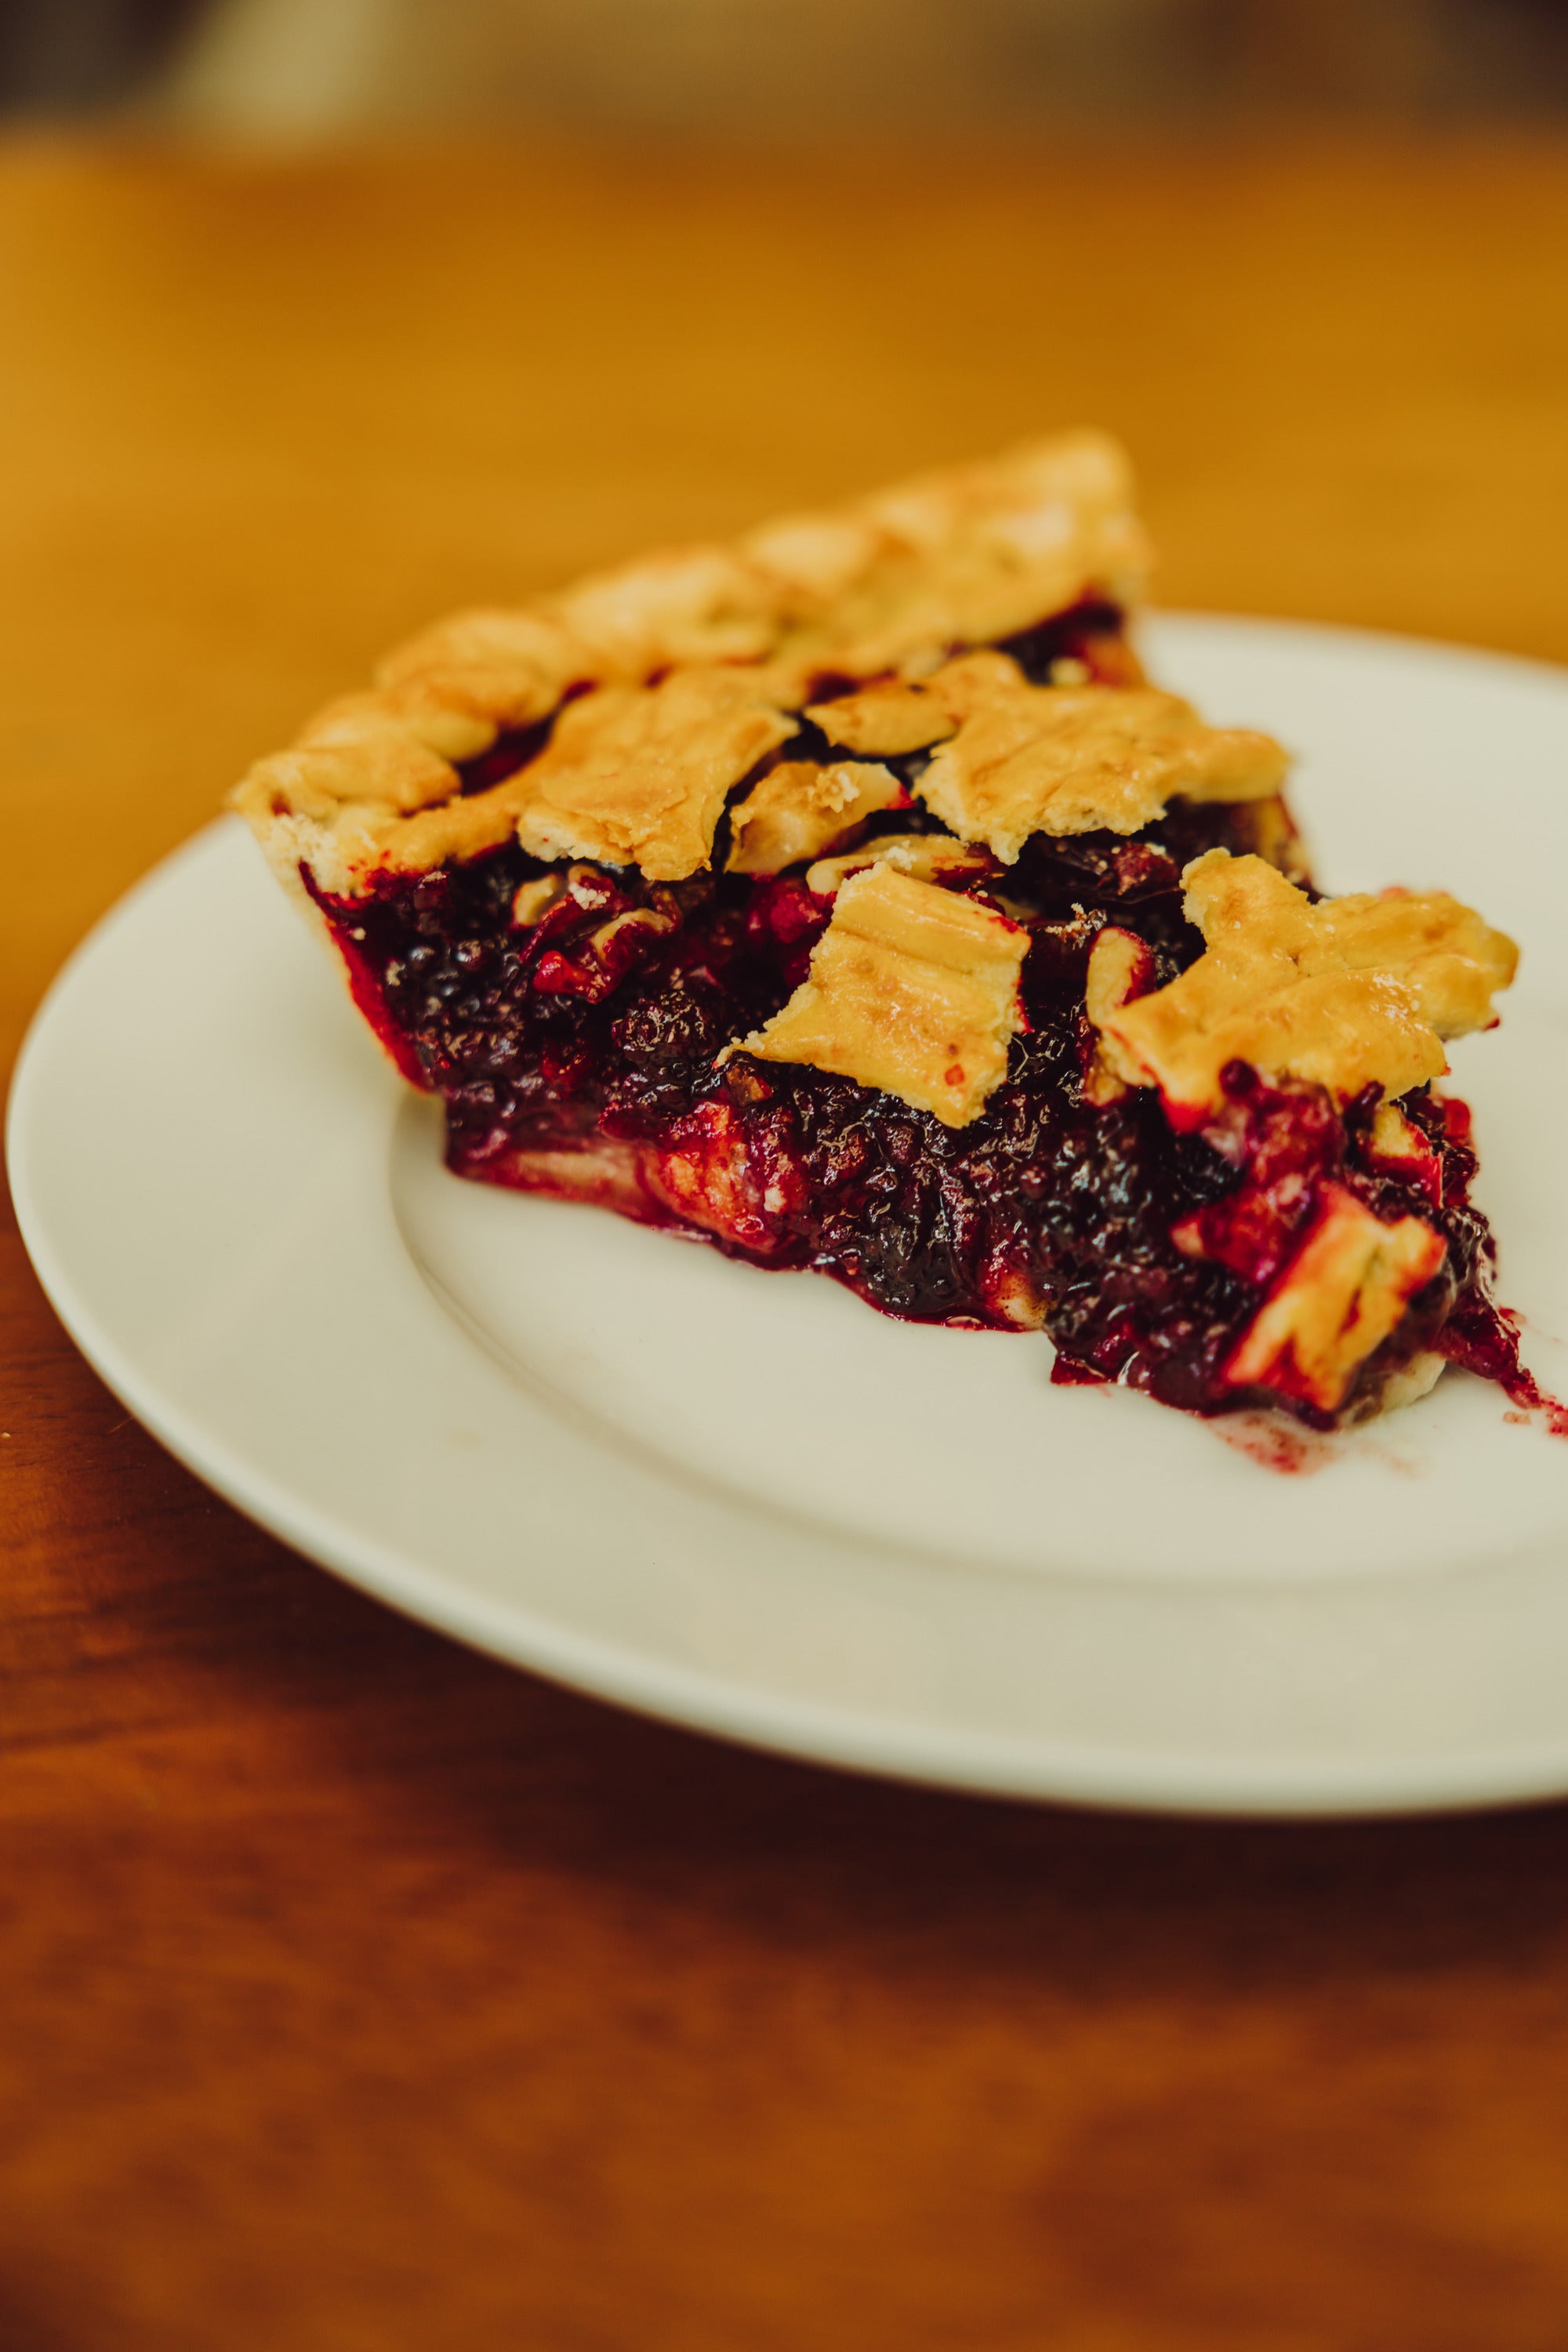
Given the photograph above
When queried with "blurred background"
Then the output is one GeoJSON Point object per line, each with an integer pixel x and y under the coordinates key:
{"type": "Point", "coordinates": [729, 68]}
{"type": "Point", "coordinates": [349, 1985]}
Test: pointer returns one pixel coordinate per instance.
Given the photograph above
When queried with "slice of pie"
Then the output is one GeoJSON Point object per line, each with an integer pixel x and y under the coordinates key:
{"type": "Point", "coordinates": [847, 899]}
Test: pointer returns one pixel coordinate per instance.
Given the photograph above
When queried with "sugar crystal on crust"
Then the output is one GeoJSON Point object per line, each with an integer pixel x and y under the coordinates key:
{"type": "Point", "coordinates": [1350, 992]}
{"type": "Point", "coordinates": [912, 989]}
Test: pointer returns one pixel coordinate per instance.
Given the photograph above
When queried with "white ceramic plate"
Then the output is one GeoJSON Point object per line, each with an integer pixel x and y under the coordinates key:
{"type": "Point", "coordinates": [744, 1500]}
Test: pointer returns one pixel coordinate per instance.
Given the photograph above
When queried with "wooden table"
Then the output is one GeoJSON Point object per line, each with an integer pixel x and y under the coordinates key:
{"type": "Point", "coordinates": [357, 1993]}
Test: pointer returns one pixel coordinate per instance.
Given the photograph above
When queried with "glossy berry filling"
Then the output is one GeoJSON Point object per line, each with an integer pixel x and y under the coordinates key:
{"type": "Point", "coordinates": [575, 1054]}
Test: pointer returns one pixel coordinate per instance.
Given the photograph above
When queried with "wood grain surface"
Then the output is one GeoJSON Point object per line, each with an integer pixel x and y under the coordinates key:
{"type": "Point", "coordinates": [358, 1993]}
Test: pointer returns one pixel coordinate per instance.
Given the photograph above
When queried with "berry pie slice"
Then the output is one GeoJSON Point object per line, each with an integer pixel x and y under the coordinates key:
{"type": "Point", "coordinates": [847, 898]}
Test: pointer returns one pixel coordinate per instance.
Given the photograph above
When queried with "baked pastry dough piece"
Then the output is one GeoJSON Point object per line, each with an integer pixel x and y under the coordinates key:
{"type": "Point", "coordinates": [801, 808]}
{"type": "Point", "coordinates": [1012, 760]}
{"type": "Point", "coordinates": [639, 775]}
{"type": "Point", "coordinates": [1345, 994]}
{"type": "Point", "coordinates": [889, 585]}
{"type": "Point", "coordinates": [897, 581]}
{"type": "Point", "coordinates": [1352, 996]}
{"type": "Point", "coordinates": [912, 990]}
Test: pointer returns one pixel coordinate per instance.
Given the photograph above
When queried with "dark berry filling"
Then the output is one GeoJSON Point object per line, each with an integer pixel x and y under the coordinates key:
{"type": "Point", "coordinates": [1145, 1253]}
{"type": "Point", "coordinates": [577, 1055]}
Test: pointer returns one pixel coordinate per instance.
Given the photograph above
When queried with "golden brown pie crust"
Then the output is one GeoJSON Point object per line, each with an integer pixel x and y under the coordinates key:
{"type": "Point", "coordinates": [912, 989]}
{"type": "Point", "coordinates": [888, 585]}
{"type": "Point", "coordinates": [929, 856]}
{"type": "Point", "coordinates": [639, 775]}
{"type": "Point", "coordinates": [1015, 760]}
{"type": "Point", "coordinates": [801, 809]}
{"type": "Point", "coordinates": [1349, 993]}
